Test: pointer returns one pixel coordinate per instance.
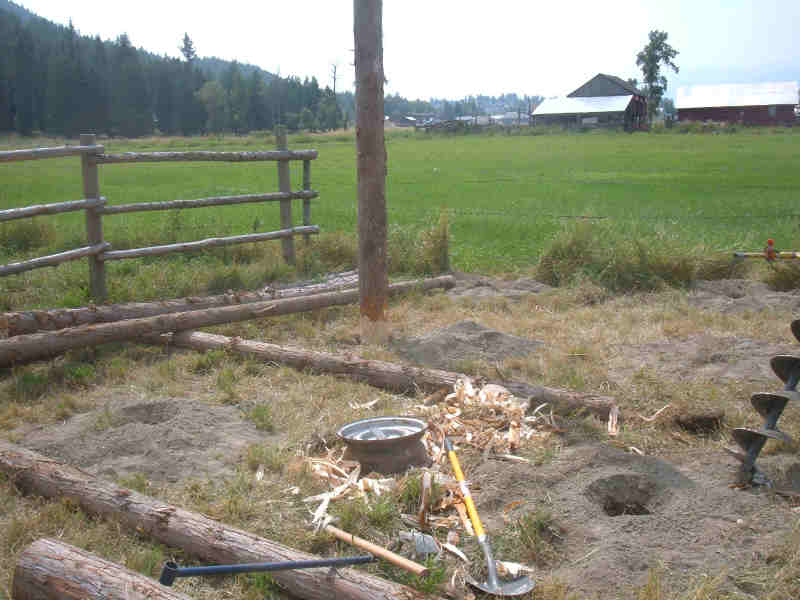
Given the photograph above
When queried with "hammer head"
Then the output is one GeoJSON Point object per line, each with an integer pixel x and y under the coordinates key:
{"type": "Point", "coordinates": [168, 573]}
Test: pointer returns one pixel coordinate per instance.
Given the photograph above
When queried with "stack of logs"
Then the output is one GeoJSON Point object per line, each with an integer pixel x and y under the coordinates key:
{"type": "Point", "coordinates": [38, 335]}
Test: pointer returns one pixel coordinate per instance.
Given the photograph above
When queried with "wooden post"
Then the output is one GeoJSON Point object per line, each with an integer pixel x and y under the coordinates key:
{"type": "Point", "coordinates": [371, 163]}
{"type": "Point", "coordinates": [307, 201]}
{"type": "Point", "coordinates": [285, 185]}
{"type": "Point", "coordinates": [94, 221]}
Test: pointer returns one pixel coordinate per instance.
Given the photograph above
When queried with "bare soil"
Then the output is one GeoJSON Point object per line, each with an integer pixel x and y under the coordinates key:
{"type": "Point", "coordinates": [620, 513]}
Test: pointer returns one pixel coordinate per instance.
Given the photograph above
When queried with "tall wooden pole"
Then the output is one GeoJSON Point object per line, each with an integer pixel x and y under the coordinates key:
{"type": "Point", "coordinates": [371, 150]}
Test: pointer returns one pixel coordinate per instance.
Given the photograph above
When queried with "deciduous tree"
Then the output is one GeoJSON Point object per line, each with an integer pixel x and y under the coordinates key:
{"type": "Point", "coordinates": [655, 54]}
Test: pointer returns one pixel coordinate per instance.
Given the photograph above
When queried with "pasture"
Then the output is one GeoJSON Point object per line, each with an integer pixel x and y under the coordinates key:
{"type": "Point", "coordinates": [506, 197]}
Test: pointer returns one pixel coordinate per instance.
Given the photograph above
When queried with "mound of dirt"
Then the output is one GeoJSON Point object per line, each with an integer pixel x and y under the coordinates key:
{"type": "Point", "coordinates": [463, 341]}
{"type": "Point", "coordinates": [477, 286]}
{"type": "Point", "coordinates": [702, 357]}
{"type": "Point", "coordinates": [164, 440]}
{"type": "Point", "coordinates": [740, 295]}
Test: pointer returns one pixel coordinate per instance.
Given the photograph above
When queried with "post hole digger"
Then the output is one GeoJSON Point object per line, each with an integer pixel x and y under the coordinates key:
{"type": "Point", "coordinates": [515, 587]}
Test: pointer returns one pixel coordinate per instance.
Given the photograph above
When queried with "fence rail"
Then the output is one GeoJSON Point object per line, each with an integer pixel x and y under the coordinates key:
{"type": "Point", "coordinates": [37, 153]}
{"type": "Point", "coordinates": [98, 249]}
{"type": "Point", "coordinates": [53, 260]}
{"type": "Point", "coordinates": [201, 156]}
{"type": "Point", "coordinates": [49, 209]}
{"type": "Point", "coordinates": [200, 202]}
{"type": "Point", "coordinates": [207, 243]}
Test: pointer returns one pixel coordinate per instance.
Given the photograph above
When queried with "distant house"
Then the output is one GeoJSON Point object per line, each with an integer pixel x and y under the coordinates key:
{"type": "Point", "coordinates": [405, 121]}
{"type": "Point", "coordinates": [603, 101]}
{"type": "Point", "coordinates": [746, 103]}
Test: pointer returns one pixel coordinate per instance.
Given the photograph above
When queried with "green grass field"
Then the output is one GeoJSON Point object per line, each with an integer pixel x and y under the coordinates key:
{"type": "Point", "coordinates": [506, 197]}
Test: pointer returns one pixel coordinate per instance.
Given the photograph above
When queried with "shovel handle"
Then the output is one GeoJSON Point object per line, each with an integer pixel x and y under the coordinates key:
{"type": "Point", "coordinates": [471, 510]}
{"type": "Point", "coordinates": [384, 553]}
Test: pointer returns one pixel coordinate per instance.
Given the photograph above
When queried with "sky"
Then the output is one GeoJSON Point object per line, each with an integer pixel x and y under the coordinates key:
{"type": "Point", "coordinates": [456, 48]}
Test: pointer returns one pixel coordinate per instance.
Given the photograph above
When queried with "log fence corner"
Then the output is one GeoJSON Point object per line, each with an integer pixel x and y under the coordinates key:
{"type": "Point", "coordinates": [98, 250]}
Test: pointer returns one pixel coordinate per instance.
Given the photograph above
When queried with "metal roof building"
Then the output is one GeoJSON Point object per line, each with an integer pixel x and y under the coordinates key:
{"type": "Point", "coordinates": [748, 103]}
{"type": "Point", "coordinates": [603, 101]}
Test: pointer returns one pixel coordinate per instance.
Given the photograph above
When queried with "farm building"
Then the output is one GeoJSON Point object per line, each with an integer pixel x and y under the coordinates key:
{"type": "Point", "coordinates": [603, 101]}
{"type": "Point", "coordinates": [746, 103]}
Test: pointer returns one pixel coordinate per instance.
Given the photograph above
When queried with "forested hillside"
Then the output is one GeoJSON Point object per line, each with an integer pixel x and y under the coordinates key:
{"type": "Point", "coordinates": [56, 81]}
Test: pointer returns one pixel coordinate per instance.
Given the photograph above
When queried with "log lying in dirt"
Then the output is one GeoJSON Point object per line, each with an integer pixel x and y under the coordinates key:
{"type": "Point", "coordinates": [36, 346]}
{"type": "Point", "coordinates": [383, 374]}
{"type": "Point", "coordinates": [21, 323]}
{"type": "Point", "coordinates": [209, 540]}
{"type": "Point", "coordinates": [50, 569]}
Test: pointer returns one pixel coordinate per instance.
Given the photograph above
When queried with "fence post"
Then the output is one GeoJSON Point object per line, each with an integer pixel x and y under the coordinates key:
{"type": "Point", "coordinates": [307, 201]}
{"type": "Point", "coordinates": [94, 221]}
{"type": "Point", "coordinates": [285, 185]}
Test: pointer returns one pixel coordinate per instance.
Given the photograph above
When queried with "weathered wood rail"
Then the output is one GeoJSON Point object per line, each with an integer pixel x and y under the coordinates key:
{"type": "Point", "coordinates": [98, 249]}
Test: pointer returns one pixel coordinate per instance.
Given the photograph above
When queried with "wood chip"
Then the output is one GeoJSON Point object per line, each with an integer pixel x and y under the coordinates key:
{"type": "Point", "coordinates": [455, 551]}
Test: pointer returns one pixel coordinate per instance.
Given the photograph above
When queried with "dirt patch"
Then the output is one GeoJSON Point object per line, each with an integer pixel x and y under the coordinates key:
{"type": "Point", "coordinates": [700, 357]}
{"type": "Point", "coordinates": [741, 295]}
{"type": "Point", "coordinates": [477, 287]}
{"type": "Point", "coordinates": [164, 440]}
{"type": "Point", "coordinates": [622, 513]}
{"type": "Point", "coordinates": [450, 347]}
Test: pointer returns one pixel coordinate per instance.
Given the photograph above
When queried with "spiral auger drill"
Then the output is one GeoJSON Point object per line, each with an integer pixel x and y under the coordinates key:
{"type": "Point", "coordinates": [770, 406]}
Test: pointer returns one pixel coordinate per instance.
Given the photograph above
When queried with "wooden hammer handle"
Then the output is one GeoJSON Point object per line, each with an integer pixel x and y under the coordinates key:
{"type": "Point", "coordinates": [395, 559]}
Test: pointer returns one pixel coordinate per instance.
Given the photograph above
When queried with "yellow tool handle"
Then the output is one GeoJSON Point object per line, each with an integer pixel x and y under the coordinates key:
{"type": "Point", "coordinates": [471, 510]}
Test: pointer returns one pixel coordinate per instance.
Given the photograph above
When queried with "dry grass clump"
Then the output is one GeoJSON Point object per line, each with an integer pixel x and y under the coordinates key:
{"type": "Point", "coordinates": [783, 276]}
{"type": "Point", "coordinates": [619, 262]}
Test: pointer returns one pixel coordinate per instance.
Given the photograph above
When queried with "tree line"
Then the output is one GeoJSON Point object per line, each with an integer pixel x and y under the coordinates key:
{"type": "Point", "coordinates": [54, 80]}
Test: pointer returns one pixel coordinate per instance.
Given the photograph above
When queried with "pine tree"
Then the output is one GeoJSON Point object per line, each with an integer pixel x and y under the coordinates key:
{"type": "Point", "coordinates": [132, 114]}
{"type": "Point", "coordinates": [24, 82]}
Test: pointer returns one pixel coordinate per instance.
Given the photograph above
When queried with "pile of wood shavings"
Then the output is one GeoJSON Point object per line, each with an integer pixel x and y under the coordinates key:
{"type": "Point", "coordinates": [489, 419]}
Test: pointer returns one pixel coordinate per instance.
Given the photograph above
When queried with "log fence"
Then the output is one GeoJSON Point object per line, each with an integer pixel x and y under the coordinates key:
{"type": "Point", "coordinates": [98, 250]}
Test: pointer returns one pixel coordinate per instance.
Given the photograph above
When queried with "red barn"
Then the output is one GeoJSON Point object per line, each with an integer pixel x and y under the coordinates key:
{"type": "Point", "coordinates": [745, 103]}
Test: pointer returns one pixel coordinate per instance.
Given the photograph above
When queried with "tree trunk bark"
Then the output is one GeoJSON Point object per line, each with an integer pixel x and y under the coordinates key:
{"type": "Point", "coordinates": [20, 323]}
{"type": "Point", "coordinates": [383, 374]}
{"type": "Point", "coordinates": [371, 164]}
{"type": "Point", "coordinates": [196, 534]}
{"type": "Point", "coordinates": [35, 346]}
{"type": "Point", "coordinates": [52, 570]}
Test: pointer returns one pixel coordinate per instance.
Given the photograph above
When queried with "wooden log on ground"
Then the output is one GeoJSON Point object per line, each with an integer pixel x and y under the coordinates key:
{"type": "Point", "coordinates": [139, 157]}
{"type": "Point", "coordinates": [386, 375]}
{"type": "Point", "coordinates": [27, 322]}
{"type": "Point", "coordinates": [52, 570]}
{"type": "Point", "coordinates": [208, 540]}
{"type": "Point", "coordinates": [37, 153]}
{"type": "Point", "coordinates": [36, 346]}
{"type": "Point", "coordinates": [52, 260]}
{"type": "Point", "coordinates": [283, 234]}
{"type": "Point", "coordinates": [53, 208]}
{"type": "Point", "coordinates": [305, 195]}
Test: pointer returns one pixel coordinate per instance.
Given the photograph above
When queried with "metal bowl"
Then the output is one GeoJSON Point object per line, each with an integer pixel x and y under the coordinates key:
{"type": "Point", "coordinates": [386, 444]}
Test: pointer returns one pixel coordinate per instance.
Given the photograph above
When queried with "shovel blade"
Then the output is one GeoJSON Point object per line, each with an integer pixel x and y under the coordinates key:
{"type": "Point", "coordinates": [515, 587]}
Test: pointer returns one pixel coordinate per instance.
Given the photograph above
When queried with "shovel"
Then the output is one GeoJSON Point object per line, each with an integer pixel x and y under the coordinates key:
{"type": "Point", "coordinates": [515, 587]}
